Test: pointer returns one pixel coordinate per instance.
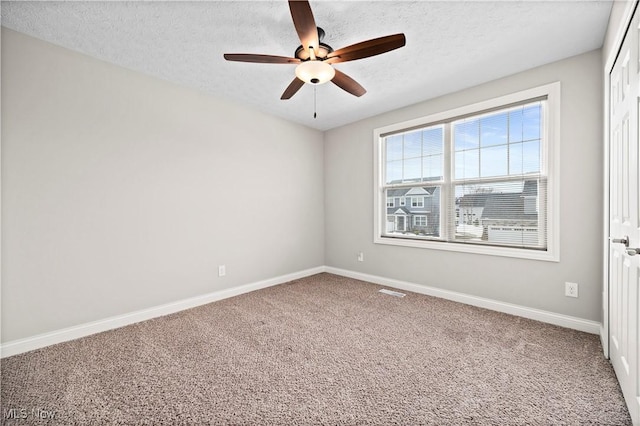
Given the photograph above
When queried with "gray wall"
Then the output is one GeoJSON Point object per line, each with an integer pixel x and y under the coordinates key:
{"type": "Point", "coordinates": [349, 202]}
{"type": "Point", "coordinates": [122, 192]}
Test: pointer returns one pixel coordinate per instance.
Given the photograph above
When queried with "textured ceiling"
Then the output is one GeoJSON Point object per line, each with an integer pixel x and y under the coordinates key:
{"type": "Point", "coordinates": [451, 45]}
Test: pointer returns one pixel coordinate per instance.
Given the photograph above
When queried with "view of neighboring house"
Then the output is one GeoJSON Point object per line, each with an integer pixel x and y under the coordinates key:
{"type": "Point", "coordinates": [500, 217]}
{"type": "Point", "coordinates": [469, 208]}
{"type": "Point", "coordinates": [504, 218]}
{"type": "Point", "coordinates": [512, 217]}
{"type": "Point", "coordinates": [415, 210]}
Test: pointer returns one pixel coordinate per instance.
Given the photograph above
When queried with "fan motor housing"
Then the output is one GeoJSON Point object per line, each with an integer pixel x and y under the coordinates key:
{"type": "Point", "coordinates": [324, 49]}
{"type": "Point", "coordinates": [303, 53]}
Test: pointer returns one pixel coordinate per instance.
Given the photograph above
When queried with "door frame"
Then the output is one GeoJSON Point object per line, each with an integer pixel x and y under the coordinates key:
{"type": "Point", "coordinates": [608, 67]}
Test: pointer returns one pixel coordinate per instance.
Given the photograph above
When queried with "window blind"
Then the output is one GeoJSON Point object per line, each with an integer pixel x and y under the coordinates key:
{"type": "Point", "coordinates": [479, 179]}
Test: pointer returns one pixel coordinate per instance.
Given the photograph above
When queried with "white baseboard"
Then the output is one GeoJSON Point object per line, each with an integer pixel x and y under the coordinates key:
{"type": "Point", "coordinates": [566, 321]}
{"type": "Point", "coordinates": [58, 336]}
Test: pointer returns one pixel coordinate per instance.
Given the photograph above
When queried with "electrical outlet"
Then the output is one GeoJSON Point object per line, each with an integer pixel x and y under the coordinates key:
{"type": "Point", "coordinates": [571, 289]}
{"type": "Point", "coordinates": [222, 271]}
{"type": "Point", "coordinates": [361, 257]}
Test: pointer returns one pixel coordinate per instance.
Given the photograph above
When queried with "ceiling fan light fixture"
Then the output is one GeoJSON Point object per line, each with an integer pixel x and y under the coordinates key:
{"type": "Point", "coordinates": [314, 58]}
{"type": "Point", "coordinates": [315, 72]}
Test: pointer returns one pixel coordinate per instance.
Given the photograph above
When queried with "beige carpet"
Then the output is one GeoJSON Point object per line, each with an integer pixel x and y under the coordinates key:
{"type": "Point", "coordinates": [320, 350]}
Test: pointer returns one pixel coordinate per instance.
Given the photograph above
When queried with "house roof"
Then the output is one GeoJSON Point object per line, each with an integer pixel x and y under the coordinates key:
{"type": "Point", "coordinates": [529, 189]}
{"type": "Point", "coordinates": [398, 210]}
{"type": "Point", "coordinates": [399, 192]}
{"type": "Point", "coordinates": [508, 206]}
{"type": "Point", "coordinates": [402, 192]}
{"type": "Point", "coordinates": [419, 190]}
{"type": "Point", "coordinates": [473, 200]}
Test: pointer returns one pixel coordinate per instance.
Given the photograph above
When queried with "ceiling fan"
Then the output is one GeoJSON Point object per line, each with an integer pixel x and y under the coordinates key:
{"type": "Point", "coordinates": [315, 58]}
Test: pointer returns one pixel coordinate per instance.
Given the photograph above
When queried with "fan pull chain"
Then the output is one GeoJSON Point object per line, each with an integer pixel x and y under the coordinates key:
{"type": "Point", "coordinates": [315, 115]}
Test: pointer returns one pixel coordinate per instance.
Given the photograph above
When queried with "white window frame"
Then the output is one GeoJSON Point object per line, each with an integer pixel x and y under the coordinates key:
{"type": "Point", "coordinates": [550, 150]}
{"type": "Point", "coordinates": [417, 202]}
{"type": "Point", "coordinates": [419, 216]}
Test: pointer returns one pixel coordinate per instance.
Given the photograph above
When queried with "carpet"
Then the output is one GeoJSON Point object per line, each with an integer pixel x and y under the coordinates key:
{"type": "Point", "coordinates": [320, 350]}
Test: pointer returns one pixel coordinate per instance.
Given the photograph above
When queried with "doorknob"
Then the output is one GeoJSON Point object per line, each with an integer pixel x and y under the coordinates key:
{"type": "Point", "coordinates": [624, 240]}
{"type": "Point", "coordinates": [633, 251]}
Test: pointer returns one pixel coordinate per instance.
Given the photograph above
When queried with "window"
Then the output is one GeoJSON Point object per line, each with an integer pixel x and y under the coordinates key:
{"type": "Point", "coordinates": [390, 202]}
{"type": "Point", "coordinates": [481, 177]}
{"type": "Point", "coordinates": [419, 221]}
{"type": "Point", "coordinates": [417, 202]}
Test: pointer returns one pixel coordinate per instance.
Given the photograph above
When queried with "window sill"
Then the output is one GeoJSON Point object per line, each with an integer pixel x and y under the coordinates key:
{"type": "Point", "coordinates": [548, 255]}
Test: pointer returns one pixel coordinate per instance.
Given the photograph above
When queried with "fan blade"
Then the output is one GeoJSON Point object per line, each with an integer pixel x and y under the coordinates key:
{"type": "Point", "coordinates": [348, 84]}
{"type": "Point", "coordinates": [295, 85]}
{"type": "Point", "coordinates": [305, 24]}
{"type": "Point", "coordinates": [367, 48]}
{"type": "Point", "coordinates": [262, 59]}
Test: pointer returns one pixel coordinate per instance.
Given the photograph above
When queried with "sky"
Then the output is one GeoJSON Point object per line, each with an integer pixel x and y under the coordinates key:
{"type": "Point", "coordinates": [496, 144]}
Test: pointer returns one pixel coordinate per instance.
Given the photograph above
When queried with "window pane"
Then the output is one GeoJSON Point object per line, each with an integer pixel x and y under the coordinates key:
{"type": "Point", "coordinates": [524, 158]}
{"type": "Point", "coordinates": [415, 156]}
{"type": "Point", "coordinates": [394, 172]}
{"type": "Point", "coordinates": [500, 214]}
{"type": "Point", "coordinates": [515, 125]}
{"type": "Point", "coordinates": [432, 146]}
{"type": "Point", "coordinates": [412, 169]}
{"type": "Point", "coordinates": [432, 167]}
{"type": "Point", "coordinates": [419, 217]}
{"type": "Point", "coordinates": [493, 129]}
{"type": "Point", "coordinates": [413, 144]}
{"type": "Point", "coordinates": [433, 140]}
{"type": "Point", "coordinates": [531, 157]}
{"type": "Point", "coordinates": [516, 159]}
{"type": "Point", "coordinates": [466, 134]}
{"type": "Point", "coordinates": [502, 151]}
{"type": "Point", "coordinates": [467, 164]}
{"type": "Point", "coordinates": [493, 161]}
{"type": "Point", "coordinates": [531, 122]}
{"type": "Point", "coordinates": [394, 147]}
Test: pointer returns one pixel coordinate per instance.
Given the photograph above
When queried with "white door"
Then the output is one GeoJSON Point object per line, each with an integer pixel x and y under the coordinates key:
{"type": "Point", "coordinates": [624, 227]}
